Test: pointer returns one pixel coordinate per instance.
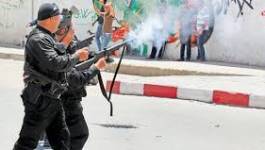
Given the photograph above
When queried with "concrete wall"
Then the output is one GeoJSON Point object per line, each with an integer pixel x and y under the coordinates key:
{"type": "Point", "coordinates": [235, 39]}
{"type": "Point", "coordinates": [14, 15]}
{"type": "Point", "coordinates": [239, 40]}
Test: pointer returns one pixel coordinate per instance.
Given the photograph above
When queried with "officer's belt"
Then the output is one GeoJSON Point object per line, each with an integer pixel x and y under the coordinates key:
{"type": "Point", "coordinates": [44, 80]}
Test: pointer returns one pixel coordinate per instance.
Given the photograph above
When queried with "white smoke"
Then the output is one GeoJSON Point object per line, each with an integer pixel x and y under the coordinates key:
{"type": "Point", "coordinates": [159, 24]}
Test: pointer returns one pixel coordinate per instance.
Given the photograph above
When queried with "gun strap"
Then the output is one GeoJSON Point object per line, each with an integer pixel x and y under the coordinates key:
{"type": "Point", "coordinates": [104, 93]}
{"type": "Point", "coordinates": [102, 87]}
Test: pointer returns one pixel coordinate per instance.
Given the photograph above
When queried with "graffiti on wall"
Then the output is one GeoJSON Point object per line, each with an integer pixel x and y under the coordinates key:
{"type": "Point", "coordinates": [243, 4]}
{"type": "Point", "coordinates": [85, 16]}
{"type": "Point", "coordinates": [136, 11]}
{"type": "Point", "coordinates": [222, 6]}
{"type": "Point", "coordinates": [131, 11]}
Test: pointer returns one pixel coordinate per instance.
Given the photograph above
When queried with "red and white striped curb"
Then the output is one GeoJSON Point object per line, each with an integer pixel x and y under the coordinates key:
{"type": "Point", "coordinates": [209, 96]}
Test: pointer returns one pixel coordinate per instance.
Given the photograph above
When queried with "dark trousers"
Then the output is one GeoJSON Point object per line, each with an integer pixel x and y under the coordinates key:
{"type": "Point", "coordinates": [76, 123]}
{"type": "Point", "coordinates": [46, 115]}
{"type": "Point", "coordinates": [200, 42]}
{"type": "Point", "coordinates": [161, 51]}
{"type": "Point", "coordinates": [182, 49]}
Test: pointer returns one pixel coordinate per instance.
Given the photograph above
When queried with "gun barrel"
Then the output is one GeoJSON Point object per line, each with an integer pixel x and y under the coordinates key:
{"type": "Point", "coordinates": [117, 46]}
{"type": "Point", "coordinates": [86, 42]}
{"type": "Point", "coordinates": [106, 52]}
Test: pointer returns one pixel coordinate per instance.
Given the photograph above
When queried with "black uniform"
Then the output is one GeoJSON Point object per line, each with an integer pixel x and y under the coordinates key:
{"type": "Point", "coordinates": [72, 104]}
{"type": "Point", "coordinates": [43, 107]}
{"type": "Point", "coordinates": [73, 109]}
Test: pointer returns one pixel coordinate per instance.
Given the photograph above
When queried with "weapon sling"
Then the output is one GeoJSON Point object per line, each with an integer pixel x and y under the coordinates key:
{"type": "Point", "coordinates": [102, 87]}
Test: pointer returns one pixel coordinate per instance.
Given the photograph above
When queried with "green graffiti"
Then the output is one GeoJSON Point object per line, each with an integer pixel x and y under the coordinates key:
{"type": "Point", "coordinates": [85, 14]}
{"type": "Point", "coordinates": [97, 4]}
{"type": "Point", "coordinates": [135, 11]}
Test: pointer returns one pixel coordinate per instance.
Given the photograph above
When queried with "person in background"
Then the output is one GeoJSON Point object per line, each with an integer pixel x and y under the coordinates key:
{"type": "Point", "coordinates": [109, 16]}
{"type": "Point", "coordinates": [202, 27]}
{"type": "Point", "coordinates": [159, 44]}
{"type": "Point", "coordinates": [155, 51]}
{"type": "Point", "coordinates": [187, 18]}
{"type": "Point", "coordinates": [100, 12]}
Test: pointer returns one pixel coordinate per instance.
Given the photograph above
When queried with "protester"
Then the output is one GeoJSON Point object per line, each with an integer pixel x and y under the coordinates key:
{"type": "Point", "coordinates": [159, 44]}
{"type": "Point", "coordinates": [100, 12]}
{"type": "Point", "coordinates": [158, 53]}
{"type": "Point", "coordinates": [187, 19]}
{"type": "Point", "coordinates": [202, 27]}
{"type": "Point", "coordinates": [109, 16]}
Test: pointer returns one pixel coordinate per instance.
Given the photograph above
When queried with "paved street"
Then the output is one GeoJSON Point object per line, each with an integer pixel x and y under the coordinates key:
{"type": "Point", "coordinates": [143, 122]}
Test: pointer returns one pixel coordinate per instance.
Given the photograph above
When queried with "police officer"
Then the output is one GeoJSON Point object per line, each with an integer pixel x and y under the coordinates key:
{"type": "Point", "coordinates": [44, 75]}
{"type": "Point", "coordinates": [73, 96]}
{"type": "Point", "coordinates": [77, 80]}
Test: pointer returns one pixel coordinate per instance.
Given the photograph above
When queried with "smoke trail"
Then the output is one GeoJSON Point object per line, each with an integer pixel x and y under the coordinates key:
{"type": "Point", "coordinates": [158, 25]}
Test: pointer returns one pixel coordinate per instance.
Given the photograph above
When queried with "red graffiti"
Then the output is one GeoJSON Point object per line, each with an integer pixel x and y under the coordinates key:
{"type": "Point", "coordinates": [121, 32]}
{"type": "Point", "coordinates": [173, 38]}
